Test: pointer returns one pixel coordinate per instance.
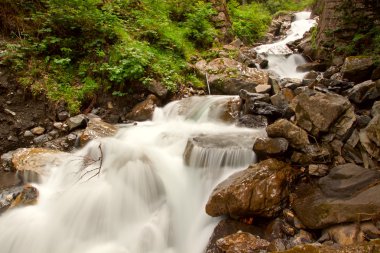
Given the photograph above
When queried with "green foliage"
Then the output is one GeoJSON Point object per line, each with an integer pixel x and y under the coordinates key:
{"type": "Point", "coordinates": [249, 22]}
{"type": "Point", "coordinates": [198, 24]}
{"type": "Point", "coordinates": [275, 6]}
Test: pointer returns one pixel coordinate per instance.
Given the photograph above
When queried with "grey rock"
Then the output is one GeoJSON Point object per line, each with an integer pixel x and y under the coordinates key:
{"type": "Point", "coordinates": [42, 138]}
{"type": "Point", "coordinates": [348, 190]}
{"type": "Point", "coordinates": [79, 121]}
{"type": "Point", "coordinates": [316, 113]}
{"type": "Point", "coordinates": [252, 121]}
{"type": "Point", "coordinates": [64, 115]}
{"type": "Point", "coordinates": [28, 134]}
{"type": "Point", "coordinates": [364, 92]}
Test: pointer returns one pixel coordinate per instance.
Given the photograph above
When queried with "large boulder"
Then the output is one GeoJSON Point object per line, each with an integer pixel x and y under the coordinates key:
{"type": "Point", "coordinates": [349, 193]}
{"type": "Point", "coordinates": [364, 92]}
{"type": "Point", "coordinates": [261, 190]}
{"type": "Point", "coordinates": [316, 112]}
{"type": "Point", "coordinates": [270, 146]}
{"type": "Point", "coordinates": [144, 110]}
{"type": "Point", "coordinates": [229, 227]}
{"type": "Point", "coordinates": [370, 137]}
{"type": "Point", "coordinates": [35, 160]}
{"type": "Point", "coordinates": [96, 128]}
{"type": "Point", "coordinates": [357, 68]}
{"type": "Point", "coordinates": [296, 136]}
{"type": "Point", "coordinates": [227, 76]}
{"type": "Point", "coordinates": [241, 242]}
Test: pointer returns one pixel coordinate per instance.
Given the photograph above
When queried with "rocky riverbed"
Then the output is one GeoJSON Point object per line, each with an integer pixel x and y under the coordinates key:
{"type": "Point", "coordinates": [315, 187]}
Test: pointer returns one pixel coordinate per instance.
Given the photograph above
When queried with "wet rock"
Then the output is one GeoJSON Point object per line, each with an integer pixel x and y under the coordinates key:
{"type": "Point", "coordinates": [370, 137]}
{"type": "Point", "coordinates": [263, 108]}
{"type": "Point", "coordinates": [96, 128]}
{"type": "Point", "coordinates": [264, 147]}
{"type": "Point", "coordinates": [367, 247]}
{"type": "Point", "coordinates": [36, 159]}
{"type": "Point", "coordinates": [6, 161]}
{"type": "Point", "coordinates": [348, 234]}
{"type": "Point", "coordinates": [312, 75]}
{"type": "Point", "coordinates": [264, 64]}
{"type": "Point", "coordinates": [311, 154]}
{"type": "Point", "coordinates": [226, 110]}
{"type": "Point", "coordinates": [252, 121]}
{"type": "Point", "coordinates": [260, 190]}
{"type": "Point", "coordinates": [38, 130]}
{"type": "Point", "coordinates": [62, 116]}
{"type": "Point", "coordinates": [229, 227]}
{"type": "Point", "coordinates": [144, 110]}
{"type": "Point", "coordinates": [241, 242]}
{"type": "Point", "coordinates": [357, 68]}
{"type": "Point", "coordinates": [347, 191]}
{"type": "Point", "coordinates": [317, 112]}
{"type": "Point", "coordinates": [296, 136]}
{"type": "Point", "coordinates": [28, 196]}
{"type": "Point", "coordinates": [227, 76]}
{"type": "Point", "coordinates": [365, 91]}
{"type": "Point", "coordinates": [157, 89]}
{"type": "Point", "coordinates": [75, 122]}
{"type": "Point", "coordinates": [316, 66]}
{"type": "Point", "coordinates": [318, 170]}
{"type": "Point", "coordinates": [250, 97]}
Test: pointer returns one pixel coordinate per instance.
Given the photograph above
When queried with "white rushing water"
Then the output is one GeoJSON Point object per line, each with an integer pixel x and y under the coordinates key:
{"type": "Point", "coordinates": [144, 200]}
{"type": "Point", "coordinates": [280, 57]}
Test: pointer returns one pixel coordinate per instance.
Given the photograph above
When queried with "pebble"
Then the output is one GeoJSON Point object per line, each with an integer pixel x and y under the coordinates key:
{"type": "Point", "coordinates": [28, 133]}
{"type": "Point", "coordinates": [38, 130]}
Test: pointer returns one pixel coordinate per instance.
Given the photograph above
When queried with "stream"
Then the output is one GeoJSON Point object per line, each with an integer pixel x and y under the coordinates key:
{"type": "Point", "coordinates": [137, 192]}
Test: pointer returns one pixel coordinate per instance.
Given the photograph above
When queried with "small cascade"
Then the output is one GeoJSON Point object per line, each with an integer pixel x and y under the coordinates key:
{"type": "Point", "coordinates": [134, 192]}
{"type": "Point", "coordinates": [280, 57]}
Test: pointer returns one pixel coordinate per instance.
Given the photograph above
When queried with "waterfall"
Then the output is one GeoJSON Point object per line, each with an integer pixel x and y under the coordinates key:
{"type": "Point", "coordinates": [280, 57]}
{"type": "Point", "coordinates": [134, 192]}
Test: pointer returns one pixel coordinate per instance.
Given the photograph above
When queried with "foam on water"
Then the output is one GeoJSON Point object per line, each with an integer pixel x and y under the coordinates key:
{"type": "Point", "coordinates": [145, 199]}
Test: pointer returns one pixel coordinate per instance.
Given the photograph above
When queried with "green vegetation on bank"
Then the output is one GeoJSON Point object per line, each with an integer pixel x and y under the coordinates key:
{"type": "Point", "coordinates": [73, 49]}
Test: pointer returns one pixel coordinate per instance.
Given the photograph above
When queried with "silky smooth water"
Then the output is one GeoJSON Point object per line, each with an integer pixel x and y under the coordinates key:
{"type": "Point", "coordinates": [145, 199]}
{"type": "Point", "coordinates": [281, 59]}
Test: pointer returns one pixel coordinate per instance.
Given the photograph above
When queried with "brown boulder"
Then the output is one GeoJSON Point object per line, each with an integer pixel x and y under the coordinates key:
{"type": "Point", "coordinates": [270, 146]}
{"type": "Point", "coordinates": [296, 136]}
{"type": "Point", "coordinates": [318, 111]}
{"type": "Point", "coordinates": [261, 190]}
{"type": "Point", "coordinates": [241, 242]}
{"type": "Point", "coordinates": [144, 110]}
{"type": "Point", "coordinates": [357, 68]}
{"type": "Point", "coordinates": [370, 137]}
{"type": "Point", "coordinates": [349, 193]}
{"type": "Point", "coordinates": [96, 128]}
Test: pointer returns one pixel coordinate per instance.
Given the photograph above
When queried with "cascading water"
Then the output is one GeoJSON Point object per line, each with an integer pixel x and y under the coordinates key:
{"type": "Point", "coordinates": [280, 57]}
{"type": "Point", "coordinates": [132, 192]}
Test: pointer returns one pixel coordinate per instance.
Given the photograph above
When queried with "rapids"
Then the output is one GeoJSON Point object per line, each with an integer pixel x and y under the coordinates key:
{"type": "Point", "coordinates": [145, 199]}
{"type": "Point", "coordinates": [134, 193]}
{"type": "Point", "coordinates": [280, 57]}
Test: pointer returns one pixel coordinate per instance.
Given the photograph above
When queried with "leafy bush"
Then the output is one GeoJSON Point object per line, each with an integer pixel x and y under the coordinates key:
{"type": "Point", "coordinates": [249, 22]}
